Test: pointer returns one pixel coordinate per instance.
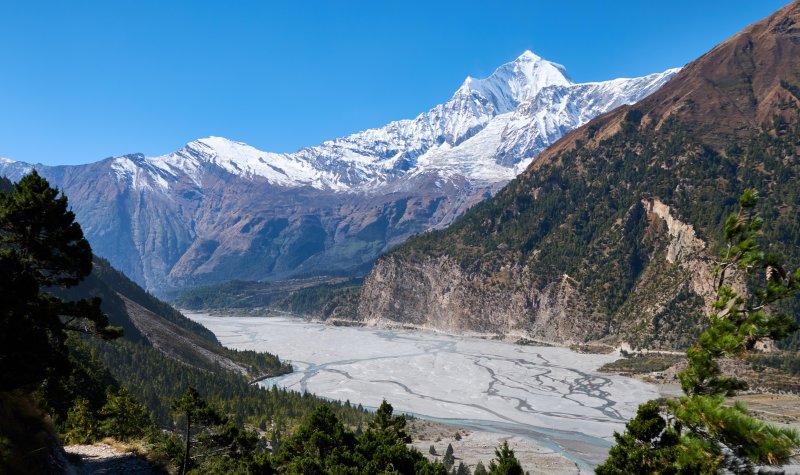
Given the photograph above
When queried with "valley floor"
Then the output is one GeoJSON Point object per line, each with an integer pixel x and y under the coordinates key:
{"type": "Point", "coordinates": [552, 398]}
{"type": "Point", "coordinates": [472, 446]}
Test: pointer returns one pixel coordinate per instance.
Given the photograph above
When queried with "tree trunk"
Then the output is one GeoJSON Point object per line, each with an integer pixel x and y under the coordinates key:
{"type": "Point", "coordinates": [188, 440]}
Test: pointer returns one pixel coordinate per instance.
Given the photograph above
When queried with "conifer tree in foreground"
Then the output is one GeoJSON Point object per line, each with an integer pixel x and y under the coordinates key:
{"type": "Point", "coordinates": [699, 432]}
{"type": "Point", "coordinates": [505, 462]}
{"type": "Point", "coordinates": [41, 248]}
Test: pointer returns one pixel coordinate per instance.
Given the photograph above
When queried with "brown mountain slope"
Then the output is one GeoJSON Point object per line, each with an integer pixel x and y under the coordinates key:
{"type": "Point", "coordinates": [723, 96]}
{"type": "Point", "coordinates": [608, 234]}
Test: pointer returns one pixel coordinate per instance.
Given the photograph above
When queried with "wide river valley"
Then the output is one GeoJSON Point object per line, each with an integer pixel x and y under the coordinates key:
{"type": "Point", "coordinates": [550, 395]}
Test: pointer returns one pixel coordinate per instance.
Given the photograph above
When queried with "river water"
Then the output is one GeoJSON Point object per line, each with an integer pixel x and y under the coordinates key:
{"type": "Point", "coordinates": [550, 395]}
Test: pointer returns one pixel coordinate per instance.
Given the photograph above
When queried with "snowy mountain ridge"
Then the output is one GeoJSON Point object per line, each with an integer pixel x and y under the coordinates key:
{"type": "Point", "coordinates": [488, 131]}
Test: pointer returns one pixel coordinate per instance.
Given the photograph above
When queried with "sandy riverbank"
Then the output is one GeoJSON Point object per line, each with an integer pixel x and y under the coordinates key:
{"type": "Point", "coordinates": [479, 446]}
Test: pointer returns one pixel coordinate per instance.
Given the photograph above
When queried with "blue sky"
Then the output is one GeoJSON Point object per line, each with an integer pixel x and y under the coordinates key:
{"type": "Point", "coordinates": [81, 80]}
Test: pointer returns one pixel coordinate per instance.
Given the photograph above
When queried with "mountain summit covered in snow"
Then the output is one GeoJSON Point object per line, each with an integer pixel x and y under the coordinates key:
{"type": "Point", "coordinates": [488, 132]}
{"type": "Point", "coordinates": [218, 209]}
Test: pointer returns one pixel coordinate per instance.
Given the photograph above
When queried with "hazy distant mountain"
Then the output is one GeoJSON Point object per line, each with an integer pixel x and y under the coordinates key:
{"type": "Point", "coordinates": [218, 209]}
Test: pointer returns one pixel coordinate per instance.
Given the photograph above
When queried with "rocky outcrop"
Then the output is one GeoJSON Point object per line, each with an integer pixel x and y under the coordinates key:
{"type": "Point", "coordinates": [684, 243]}
{"type": "Point", "coordinates": [438, 294]}
{"type": "Point", "coordinates": [690, 253]}
{"type": "Point", "coordinates": [686, 249]}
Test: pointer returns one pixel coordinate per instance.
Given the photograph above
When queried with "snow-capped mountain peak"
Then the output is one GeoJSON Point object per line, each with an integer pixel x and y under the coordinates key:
{"type": "Point", "coordinates": [516, 81]}
{"type": "Point", "coordinates": [241, 159]}
{"type": "Point", "coordinates": [487, 132]}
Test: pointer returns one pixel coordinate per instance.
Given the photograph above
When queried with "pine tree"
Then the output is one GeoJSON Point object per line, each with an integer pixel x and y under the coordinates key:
{"type": "Point", "coordinates": [196, 413]}
{"type": "Point", "coordinates": [699, 432]}
{"type": "Point", "coordinates": [480, 469]}
{"type": "Point", "coordinates": [505, 462]}
{"type": "Point", "coordinates": [462, 469]}
{"type": "Point", "coordinates": [448, 460]}
{"type": "Point", "coordinates": [385, 421]}
{"type": "Point", "coordinates": [81, 425]}
{"type": "Point", "coordinates": [42, 249]}
{"type": "Point", "coordinates": [123, 417]}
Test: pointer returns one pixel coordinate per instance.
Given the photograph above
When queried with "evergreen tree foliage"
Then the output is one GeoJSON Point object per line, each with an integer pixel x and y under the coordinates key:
{"type": "Point", "coordinates": [505, 462]}
{"type": "Point", "coordinates": [41, 248]}
{"type": "Point", "coordinates": [699, 432]}
{"type": "Point", "coordinates": [448, 460]}
{"type": "Point", "coordinates": [480, 469]}
{"type": "Point", "coordinates": [123, 417]}
{"type": "Point", "coordinates": [81, 424]}
{"type": "Point", "coordinates": [35, 220]}
{"type": "Point", "coordinates": [211, 442]}
{"type": "Point", "coordinates": [196, 414]}
{"type": "Point", "coordinates": [324, 445]}
{"type": "Point", "coordinates": [394, 426]}
{"type": "Point", "coordinates": [461, 470]}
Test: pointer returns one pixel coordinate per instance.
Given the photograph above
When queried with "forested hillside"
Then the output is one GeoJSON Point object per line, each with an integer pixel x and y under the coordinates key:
{"type": "Point", "coordinates": [610, 234]}
{"type": "Point", "coordinates": [300, 296]}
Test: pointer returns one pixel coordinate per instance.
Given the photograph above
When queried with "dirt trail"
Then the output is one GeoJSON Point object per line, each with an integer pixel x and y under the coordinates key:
{"type": "Point", "coordinates": [101, 459]}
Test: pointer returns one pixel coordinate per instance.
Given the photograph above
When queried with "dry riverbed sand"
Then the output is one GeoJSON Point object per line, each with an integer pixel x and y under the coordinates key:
{"type": "Point", "coordinates": [479, 446]}
{"type": "Point", "coordinates": [550, 400]}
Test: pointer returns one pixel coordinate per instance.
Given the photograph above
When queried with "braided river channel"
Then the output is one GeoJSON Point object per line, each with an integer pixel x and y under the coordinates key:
{"type": "Point", "coordinates": [550, 395]}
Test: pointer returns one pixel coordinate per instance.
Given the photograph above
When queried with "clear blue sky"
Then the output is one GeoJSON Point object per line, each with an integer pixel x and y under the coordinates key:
{"type": "Point", "coordinates": [81, 80]}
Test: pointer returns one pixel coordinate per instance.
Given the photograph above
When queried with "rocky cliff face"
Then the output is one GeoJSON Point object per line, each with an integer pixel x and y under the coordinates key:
{"type": "Point", "coordinates": [438, 294]}
{"type": "Point", "coordinates": [610, 233]}
{"type": "Point", "coordinates": [508, 300]}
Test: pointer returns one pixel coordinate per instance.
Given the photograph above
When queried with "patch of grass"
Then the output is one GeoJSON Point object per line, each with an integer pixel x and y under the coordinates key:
{"type": "Point", "coordinates": [591, 348]}
{"type": "Point", "coordinates": [642, 363]}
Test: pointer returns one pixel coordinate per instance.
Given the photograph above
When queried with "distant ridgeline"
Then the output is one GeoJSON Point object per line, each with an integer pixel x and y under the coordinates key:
{"type": "Point", "coordinates": [217, 210]}
{"type": "Point", "coordinates": [301, 296]}
{"type": "Point", "coordinates": [609, 235]}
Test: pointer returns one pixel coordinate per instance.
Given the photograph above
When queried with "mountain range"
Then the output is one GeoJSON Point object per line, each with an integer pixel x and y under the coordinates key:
{"type": "Point", "coordinates": [611, 233]}
{"type": "Point", "coordinates": [217, 209]}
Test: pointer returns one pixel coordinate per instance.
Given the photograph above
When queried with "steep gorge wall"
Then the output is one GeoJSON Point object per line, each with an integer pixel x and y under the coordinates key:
{"type": "Point", "coordinates": [438, 294]}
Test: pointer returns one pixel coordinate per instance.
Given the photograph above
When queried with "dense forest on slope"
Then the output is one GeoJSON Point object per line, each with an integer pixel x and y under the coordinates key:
{"type": "Point", "coordinates": [151, 322]}
{"type": "Point", "coordinates": [302, 297]}
{"type": "Point", "coordinates": [155, 381]}
{"type": "Point", "coordinates": [591, 225]}
{"type": "Point", "coordinates": [586, 209]}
